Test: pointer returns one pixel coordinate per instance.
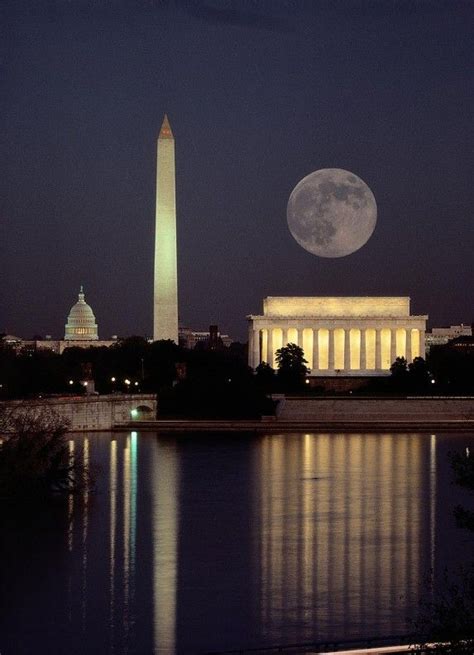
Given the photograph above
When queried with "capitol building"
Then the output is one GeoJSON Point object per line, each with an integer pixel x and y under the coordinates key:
{"type": "Point", "coordinates": [81, 324]}
{"type": "Point", "coordinates": [81, 331]}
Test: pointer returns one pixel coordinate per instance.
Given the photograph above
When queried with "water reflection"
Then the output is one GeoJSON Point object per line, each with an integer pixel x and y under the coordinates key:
{"type": "Point", "coordinates": [164, 513]}
{"type": "Point", "coordinates": [213, 543]}
{"type": "Point", "coordinates": [339, 544]}
{"type": "Point", "coordinates": [113, 522]}
{"type": "Point", "coordinates": [84, 582]}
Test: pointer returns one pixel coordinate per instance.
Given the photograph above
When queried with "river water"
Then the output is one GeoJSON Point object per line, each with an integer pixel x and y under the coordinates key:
{"type": "Point", "coordinates": [200, 543]}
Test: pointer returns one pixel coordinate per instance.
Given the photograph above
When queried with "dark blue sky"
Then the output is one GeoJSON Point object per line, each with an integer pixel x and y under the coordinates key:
{"type": "Point", "coordinates": [259, 94]}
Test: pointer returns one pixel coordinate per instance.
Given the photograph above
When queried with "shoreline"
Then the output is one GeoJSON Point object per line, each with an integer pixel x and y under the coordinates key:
{"type": "Point", "coordinates": [279, 426]}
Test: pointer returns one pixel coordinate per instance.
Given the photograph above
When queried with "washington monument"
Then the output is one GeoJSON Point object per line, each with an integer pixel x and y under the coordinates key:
{"type": "Point", "coordinates": [165, 307]}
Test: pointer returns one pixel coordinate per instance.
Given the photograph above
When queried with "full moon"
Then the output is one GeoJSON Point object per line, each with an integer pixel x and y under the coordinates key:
{"type": "Point", "coordinates": [331, 213]}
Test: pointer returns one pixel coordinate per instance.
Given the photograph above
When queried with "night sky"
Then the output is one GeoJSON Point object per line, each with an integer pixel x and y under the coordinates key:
{"type": "Point", "coordinates": [259, 94]}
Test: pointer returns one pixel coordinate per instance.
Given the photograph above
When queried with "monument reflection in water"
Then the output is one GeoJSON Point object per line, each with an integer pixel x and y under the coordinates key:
{"type": "Point", "coordinates": [348, 546]}
{"type": "Point", "coordinates": [212, 543]}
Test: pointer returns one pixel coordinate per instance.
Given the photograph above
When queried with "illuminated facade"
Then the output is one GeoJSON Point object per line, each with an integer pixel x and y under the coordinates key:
{"type": "Point", "coordinates": [81, 324]}
{"type": "Point", "coordinates": [339, 335]}
{"type": "Point", "coordinates": [165, 307]}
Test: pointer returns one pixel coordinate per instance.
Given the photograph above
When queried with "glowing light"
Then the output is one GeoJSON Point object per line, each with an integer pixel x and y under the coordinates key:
{"type": "Point", "coordinates": [112, 379]}
{"type": "Point", "coordinates": [339, 338]}
{"type": "Point", "coordinates": [264, 346]}
{"type": "Point", "coordinates": [127, 382]}
{"type": "Point", "coordinates": [292, 336]}
{"type": "Point", "coordinates": [71, 381]}
{"type": "Point", "coordinates": [134, 413]}
{"type": "Point", "coordinates": [385, 345]}
{"type": "Point", "coordinates": [323, 348]}
{"type": "Point", "coordinates": [370, 349]}
{"type": "Point", "coordinates": [415, 343]}
{"type": "Point", "coordinates": [308, 346]}
{"type": "Point", "coordinates": [354, 340]}
{"type": "Point", "coordinates": [277, 344]}
{"type": "Point", "coordinates": [340, 307]}
{"type": "Point", "coordinates": [401, 342]}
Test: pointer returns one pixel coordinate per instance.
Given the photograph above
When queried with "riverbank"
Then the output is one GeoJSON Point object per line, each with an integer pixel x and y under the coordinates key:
{"type": "Point", "coordinates": [338, 414]}
{"type": "Point", "coordinates": [90, 412]}
{"type": "Point", "coordinates": [268, 426]}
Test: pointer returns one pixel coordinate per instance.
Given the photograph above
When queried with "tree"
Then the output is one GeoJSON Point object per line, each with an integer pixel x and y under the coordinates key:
{"type": "Point", "coordinates": [34, 457]}
{"type": "Point", "coordinates": [399, 367]}
{"type": "Point", "coordinates": [399, 371]}
{"type": "Point", "coordinates": [419, 375]}
{"type": "Point", "coordinates": [265, 376]}
{"type": "Point", "coordinates": [292, 368]}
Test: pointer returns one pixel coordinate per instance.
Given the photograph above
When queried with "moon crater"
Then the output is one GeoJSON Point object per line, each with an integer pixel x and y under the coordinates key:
{"type": "Point", "coordinates": [331, 213]}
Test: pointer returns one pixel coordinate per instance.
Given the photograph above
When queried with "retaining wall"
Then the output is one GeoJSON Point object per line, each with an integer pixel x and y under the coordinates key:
{"type": "Point", "coordinates": [91, 412]}
{"type": "Point", "coordinates": [416, 409]}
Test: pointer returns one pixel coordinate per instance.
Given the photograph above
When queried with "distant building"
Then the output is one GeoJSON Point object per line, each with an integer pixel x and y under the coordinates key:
{"type": "Point", "coordinates": [81, 332]}
{"type": "Point", "coordinates": [347, 336]}
{"type": "Point", "coordinates": [442, 335]}
{"type": "Point", "coordinates": [12, 341]}
{"type": "Point", "coordinates": [81, 324]}
{"type": "Point", "coordinates": [212, 338]}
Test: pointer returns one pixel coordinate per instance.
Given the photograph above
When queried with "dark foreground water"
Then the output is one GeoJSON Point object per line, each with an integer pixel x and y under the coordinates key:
{"type": "Point", "coordinates": [206, 543]}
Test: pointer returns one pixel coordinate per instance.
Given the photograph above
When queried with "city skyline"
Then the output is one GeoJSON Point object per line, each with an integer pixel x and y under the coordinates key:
{"type": "Point", "coordinates": [259, 98]}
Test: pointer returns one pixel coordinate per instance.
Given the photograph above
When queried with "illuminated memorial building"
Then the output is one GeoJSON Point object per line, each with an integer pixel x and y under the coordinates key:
{"type": "Point", "coordinates": [346, 336]}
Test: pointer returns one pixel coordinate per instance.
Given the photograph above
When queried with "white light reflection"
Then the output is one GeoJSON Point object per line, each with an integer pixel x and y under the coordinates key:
{"type": "Point", "coordinates": [70, 524]}
{"type": "Point", "coordinates": [165, 498]}
{"type": "Point", "coordinates": [70, 506]}
{"type": "Point", "coordinates": [340, 530]}
{"type": "Point", "coordinates": [113, 523]}
{"type": "Point", "coordinates": [133, 513]}
{"type": "Point", "coordinates": [85, 527]}
{"type": "Point", "coordinates": [432, 509]}
{"type": "Point", "coordinates": [126, 538]}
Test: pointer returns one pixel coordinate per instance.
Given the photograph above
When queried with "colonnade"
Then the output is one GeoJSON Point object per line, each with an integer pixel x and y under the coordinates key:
{"type": "Point", "coordinates": [364, 348]}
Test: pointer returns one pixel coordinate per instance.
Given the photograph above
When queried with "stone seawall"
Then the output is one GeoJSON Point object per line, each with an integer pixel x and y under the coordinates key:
{"type": "Point", "coordinates": [423, 410]}
{"type": "Point", "coordinates": [85, 413]}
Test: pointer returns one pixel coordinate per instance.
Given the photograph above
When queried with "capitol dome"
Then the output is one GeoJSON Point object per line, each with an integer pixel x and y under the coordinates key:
{"type": "Point", "coordinates": [81, 325]}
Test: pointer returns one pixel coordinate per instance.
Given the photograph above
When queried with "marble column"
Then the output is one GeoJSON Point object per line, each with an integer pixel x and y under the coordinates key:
{"type": "Point", "coordinates": [251, 347]}
{"type": "Point", "coordinates": [409, 345]}
{"type": "Point", "coordinates": [378, 349]}
{"type": "Point", "coordinates": [315, 366]}
{"type": "Point", "coordinates": [422, 343]}
{"type": "Point", "coordinates": [363, 351]}
{"type": "Point", "coordinates": [331, 350]}
{"type": "Point", "coordinates": [257, 357]}
{"type": "Point", "coordinates": [393, 345]}
{"type": "Point", "coordinates": [347, 350]}
{"type": "Point", "coordinates": [270, 346]}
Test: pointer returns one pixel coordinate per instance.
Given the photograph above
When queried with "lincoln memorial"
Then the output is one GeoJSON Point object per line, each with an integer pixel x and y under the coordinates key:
{"type": "Point", "coordinates": [339, 335]}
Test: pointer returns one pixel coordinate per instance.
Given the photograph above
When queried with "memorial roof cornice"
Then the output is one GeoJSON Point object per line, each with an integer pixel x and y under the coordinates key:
{"type": "Point", "coordinates": [335, 318]}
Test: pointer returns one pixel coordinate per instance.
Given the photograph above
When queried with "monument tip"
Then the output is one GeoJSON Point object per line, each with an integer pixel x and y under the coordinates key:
{"type": "Point", "coordinates": [165, 131]}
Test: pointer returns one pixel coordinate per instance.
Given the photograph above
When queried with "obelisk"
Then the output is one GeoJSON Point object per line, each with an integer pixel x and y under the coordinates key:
{"type": "Point", "coordinates": [165, 313]}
